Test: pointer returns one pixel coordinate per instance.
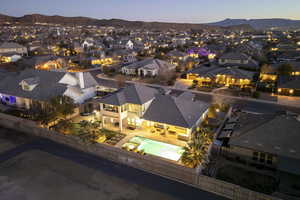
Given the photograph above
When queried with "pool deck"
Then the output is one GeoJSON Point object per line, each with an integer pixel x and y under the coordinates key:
{"type": "Point", "coordinates": [142, 133]}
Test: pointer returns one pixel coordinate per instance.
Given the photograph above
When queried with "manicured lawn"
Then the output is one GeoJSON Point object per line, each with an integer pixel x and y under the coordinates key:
{"type": "Point", "coordinates": [248, 179]}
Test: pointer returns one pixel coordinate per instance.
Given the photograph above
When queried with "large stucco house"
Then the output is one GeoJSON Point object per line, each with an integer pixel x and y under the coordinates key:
{"type": "Point", "coordinates": [141, 107]}
{"type": "Point", "coordinates": [228, 76]}
{"type": "Point", "coordinates": [22, 89]}
{"type": "Point", "coordinates": [267, 141]}
{"type": "Point", "coordinates": [148, 67]}
{"type": "Point", "coordinates": [11, 47]}
{"type": "Point", "coordinates": [236, 59]}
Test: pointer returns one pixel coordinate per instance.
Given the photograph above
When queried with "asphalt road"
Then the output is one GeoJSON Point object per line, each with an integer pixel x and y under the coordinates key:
{"type": "Point", "coordinates": [173, 188]}
{"type": "Point", "coordinates": [249, 105]}
{"type": "Point", "coordinates": [245, 103]}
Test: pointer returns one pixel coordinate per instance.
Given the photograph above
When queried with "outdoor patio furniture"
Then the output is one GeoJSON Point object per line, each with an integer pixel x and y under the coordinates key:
{"type": "Point", "coordinates": [131, 127]}
{"type": "Point", "coordinates": [172, 132]}
{"type": "Point", "coordinates": [163, 133]}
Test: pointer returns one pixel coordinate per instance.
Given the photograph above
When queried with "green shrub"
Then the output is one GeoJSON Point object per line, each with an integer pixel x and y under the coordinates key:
{"type": "Point", "coordinates": [256, 95]}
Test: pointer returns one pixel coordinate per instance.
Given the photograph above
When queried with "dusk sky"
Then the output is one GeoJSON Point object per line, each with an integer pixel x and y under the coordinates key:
{"type": "Point", "coordinates": [194, 11]}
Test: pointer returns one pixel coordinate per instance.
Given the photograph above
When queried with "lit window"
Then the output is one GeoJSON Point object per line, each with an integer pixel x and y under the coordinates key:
{"type": "Point", "coordinates": [255, 156]}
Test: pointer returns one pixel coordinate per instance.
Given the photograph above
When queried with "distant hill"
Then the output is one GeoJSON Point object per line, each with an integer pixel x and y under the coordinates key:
{"type": "Point", "coordinates": [37, 18]}
{"type": "Point", "coordinates": [260, 23]}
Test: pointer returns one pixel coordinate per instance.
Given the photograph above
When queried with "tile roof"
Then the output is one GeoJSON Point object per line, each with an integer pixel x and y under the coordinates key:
{"type": "Point", "coordinates": [294, 84]}
{"type": "Point", "coordinates": [278, 135]}
{"type": "Point", "coordinates": [133, 94]}
{"type": "Point", "coordinates": [175, 111]}
{"type": "Point", "coordinates": [235, 56]}
{"type": "Point", "coordinates": [9, 45]}
{"type": "Point", "coordinates": [159, 64]}
{"type": "Point", "coordinates": [47, 87]}
{"type": "Point", "coordinates": [213, 71]}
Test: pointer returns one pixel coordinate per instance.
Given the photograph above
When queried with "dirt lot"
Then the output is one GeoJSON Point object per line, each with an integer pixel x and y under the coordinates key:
{"type": "Point", "coordinates": [248, 179]}
{"type": "Point", "coordinates": [37, 175]}
{"type": "Point", "coordinates": [5, 145]}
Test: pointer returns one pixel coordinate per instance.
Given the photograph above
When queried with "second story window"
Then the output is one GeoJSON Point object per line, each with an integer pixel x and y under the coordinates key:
{"type": "Point", "coordinates": [270, 159]}
{"type": "Point", "coordinates": [110, 108]}
{"type": "Point", "coordinates": [262, 157]}
{"type": "Point", "coordinates": [255, 156]}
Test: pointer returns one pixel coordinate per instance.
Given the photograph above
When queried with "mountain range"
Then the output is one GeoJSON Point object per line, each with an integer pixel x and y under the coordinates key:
{"type": "Point", "coordinates": [233, 24]}
{"type": "Point", "coordinates": [260, 24]}
{"type": "Point", "coordinates": [38, 18]}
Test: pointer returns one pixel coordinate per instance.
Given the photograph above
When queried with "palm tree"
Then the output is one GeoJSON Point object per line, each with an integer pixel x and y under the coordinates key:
{"type": "Point", "coordinates": [193, 154]}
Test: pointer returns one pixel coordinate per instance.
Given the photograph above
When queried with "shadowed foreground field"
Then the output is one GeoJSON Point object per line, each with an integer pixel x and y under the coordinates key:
{"type": "Point", "coordinates": [38, 175]}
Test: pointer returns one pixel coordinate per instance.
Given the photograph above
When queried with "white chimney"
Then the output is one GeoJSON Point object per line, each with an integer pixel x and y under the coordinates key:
{"type": "Point", "coordinates": [80, 79]}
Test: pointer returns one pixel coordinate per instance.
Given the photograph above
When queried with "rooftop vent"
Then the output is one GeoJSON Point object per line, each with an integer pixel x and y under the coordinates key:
{"type": "Point", "coordinates": [292, 151]}
{"type": "Point", "coordinates": [277, 147]}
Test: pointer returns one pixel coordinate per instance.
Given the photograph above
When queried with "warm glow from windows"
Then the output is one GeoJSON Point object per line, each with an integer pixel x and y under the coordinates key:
{"type": "Point", "coordinates": [211, 56]}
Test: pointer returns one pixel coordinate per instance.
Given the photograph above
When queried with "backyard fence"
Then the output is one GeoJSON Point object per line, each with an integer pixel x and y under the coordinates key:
{"type": "Point", "coordinates": [146, 163]}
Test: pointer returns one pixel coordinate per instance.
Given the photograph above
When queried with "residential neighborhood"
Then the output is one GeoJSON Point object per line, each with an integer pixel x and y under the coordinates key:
{"type": "Point", "coordinates": [206, 109]}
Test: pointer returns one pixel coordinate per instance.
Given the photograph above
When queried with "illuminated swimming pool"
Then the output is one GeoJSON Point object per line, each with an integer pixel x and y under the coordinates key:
{"type": "Point", "coordinates": [156, 148]}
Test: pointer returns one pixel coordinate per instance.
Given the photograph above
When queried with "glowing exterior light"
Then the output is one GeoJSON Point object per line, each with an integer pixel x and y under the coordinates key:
{"type": "Point", "coordinates": [279, 90]}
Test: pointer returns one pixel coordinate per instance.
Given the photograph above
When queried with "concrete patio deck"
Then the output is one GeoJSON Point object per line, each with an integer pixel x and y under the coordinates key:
{"type": "Point", "coordinates": [147, 134]}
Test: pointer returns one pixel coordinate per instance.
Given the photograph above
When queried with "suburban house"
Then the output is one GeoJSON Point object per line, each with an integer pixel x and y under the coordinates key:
{"type": "Point", "coordinates": [87, 43]}
{"type": "Point", "coordinates": [9, 57]}
{"type": "Point", "coordinates": [240, 60]}
{"type": "Point", "coordinates": [21, 90]}
{"type": "Point", "coordinates": [124, 44]}
{"type": "Point", "coordinates": [266, 140]}
{"type": "Point", "coordinates": [148, 67]}
{"type": "Point", "coordinates": [228, 76]}
{"type": "Point", "coordinates": [198, 52]}
{"type": "Point", "coordinates": [147, 109]}
{"type": "Point", "coordinates": [129, 58]}
{"type": "Point", "coordinates": [294, 64]}
{"type": "Point", "coordinates": [175, 56]}
{"type": "Point", "coordinates": [290, 88]}
{"type": "Point", "coordinates": [268, 73]}
{"type": "Point", "coordinates": [11, 47]}
{"type": "Point", "coordinates": [103, 61]}
{"type": "Point", "coordinates": [50, 63]}
{"type": "Point", "coordinates": [271, 73]}
{"type": "Point", "coordinates": [124, 56]}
